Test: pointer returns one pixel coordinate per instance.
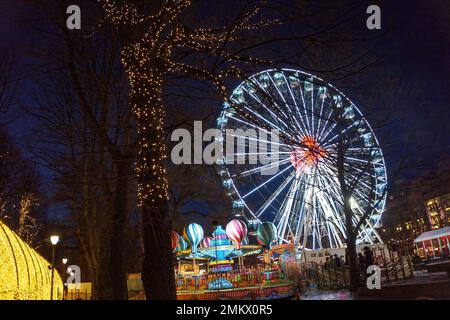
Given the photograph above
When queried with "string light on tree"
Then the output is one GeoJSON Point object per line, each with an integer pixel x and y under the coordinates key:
{"type": "Point", "coordinates": [148, 57]}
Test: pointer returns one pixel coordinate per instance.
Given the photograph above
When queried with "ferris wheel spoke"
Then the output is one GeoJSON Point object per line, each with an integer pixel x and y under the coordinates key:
{"type": "Point", "coordinates": [274, 116]}
{"type": "Point", "coordinates": [255, 170]}
{"type": "Point", "coordinates": [299, 210]}
{"type": "Point", "coordinates": [267, 181]}
{"type": "Point", "coordinates": [260, 153]}
{"type": "Point", "coordinates": [300, 127]}
{"type": "Point", "coordinates": [252, 125]}
{"type": "Point", "coordinates": [326, 142]}
{"type": "Point", "coordinates": [362, 172]}
{"type": "Point", "coordinates": [362, 232]}
{"type": "Point", "coordinates": [333, 197]}
{"type": "Point", "coordinates": [302, 132]}
{"type": "Point", "coordinates": [312, 109]}
{"type": "Point", "coordinates": [327, 122]}
{"type": "Point", "coordinates": [313, 211]}
{"type": "Point", "coordinates": [305, 110]}
{"type": "Point", "coordinates": [288, 205]}
{"type": "Point", "coordinates": [275, 194]}
{"type": "Point", "coordinates": [263, 119]}
{"type": "Point", "coordinates": [320, 118]}
{"type": "Point", "coordinates": [357, 179]}
{"type": "Point", "coordinates": [304, 222]}
{"type": "Point", "coordinates": [363, 197]}
{"type": "Point", "coordinates": [259, 140]}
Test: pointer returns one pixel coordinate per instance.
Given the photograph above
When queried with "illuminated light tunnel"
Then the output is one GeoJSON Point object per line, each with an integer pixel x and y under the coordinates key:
{"type": "Point", "coordinates": [24, 273]}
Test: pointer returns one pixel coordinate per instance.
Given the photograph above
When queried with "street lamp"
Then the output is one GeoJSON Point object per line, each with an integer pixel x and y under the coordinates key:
{"type": "Point", "coordinates": [64, 261]}
{"type": "Point", "coordinates": [54, 240]}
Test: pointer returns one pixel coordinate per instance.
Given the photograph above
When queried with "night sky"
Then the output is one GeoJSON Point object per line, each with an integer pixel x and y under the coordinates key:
{"type": "Point", "coordinates": [417, 40]}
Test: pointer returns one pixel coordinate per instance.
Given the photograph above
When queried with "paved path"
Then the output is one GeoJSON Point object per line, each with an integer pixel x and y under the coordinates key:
{"type": "Point", "coordinates": [420, 277]}
{"type": "Point", "coordinates": [315, 294]}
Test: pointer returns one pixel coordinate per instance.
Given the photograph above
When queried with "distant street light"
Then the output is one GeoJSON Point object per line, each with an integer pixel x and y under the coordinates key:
{"type": "Point", "coordinates": [64, 261]}
{"type": "Point", "coordinates": [54, 240]}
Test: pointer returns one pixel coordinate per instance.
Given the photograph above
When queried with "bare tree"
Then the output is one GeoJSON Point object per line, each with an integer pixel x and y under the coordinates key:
{"type": "Point", "coordinates": [84, 134]}
{"type": "Point", "coordinates": [7, 88]}
{"type": "Point", "coordinates": [20, 189]}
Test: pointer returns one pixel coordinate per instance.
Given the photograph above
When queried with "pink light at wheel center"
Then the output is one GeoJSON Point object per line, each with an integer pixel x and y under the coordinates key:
{"type": "Point", "coordinates": [307, 155]}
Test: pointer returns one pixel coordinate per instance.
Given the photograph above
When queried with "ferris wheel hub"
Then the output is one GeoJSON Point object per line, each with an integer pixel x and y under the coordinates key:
{"type": "Point", "coordinates": [308, 154]}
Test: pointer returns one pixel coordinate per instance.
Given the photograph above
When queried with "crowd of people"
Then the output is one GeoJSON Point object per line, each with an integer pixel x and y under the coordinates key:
{"type": "Point", "coordinates": [334, 261]}
{"type": "Point", "coordinates": [365, 259]}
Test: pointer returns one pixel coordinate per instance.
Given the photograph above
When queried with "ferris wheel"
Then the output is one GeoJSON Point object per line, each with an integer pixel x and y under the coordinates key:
{"type": "Point", "coordinates": [318, 141]}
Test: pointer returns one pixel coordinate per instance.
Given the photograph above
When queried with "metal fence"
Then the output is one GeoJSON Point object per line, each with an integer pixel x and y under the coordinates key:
{"type": "Point", "coordinates": [335, 278]}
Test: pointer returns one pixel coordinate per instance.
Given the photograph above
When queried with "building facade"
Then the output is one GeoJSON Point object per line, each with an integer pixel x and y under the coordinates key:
{"type": "Point", "coordinates": [416, 206]}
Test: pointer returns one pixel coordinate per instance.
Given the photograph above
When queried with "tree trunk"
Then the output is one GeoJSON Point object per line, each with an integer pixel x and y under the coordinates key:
{"type": "Point", "coordinates": [157, 274]}
{"type": "Point", "coordinates": [118, 269]}
{"type": "Point", "coordinates": [348, 213]}
{"type": "Point", "coordinates": [353, 264]}
{"type": "Point", "coordinates": [146, 102]}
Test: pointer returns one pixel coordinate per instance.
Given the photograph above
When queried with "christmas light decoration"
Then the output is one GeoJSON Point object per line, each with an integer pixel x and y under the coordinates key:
{"type": "Point", "coordinates": [27, 222]}
{"type": "Point", "coordinates": [24, 274]}
{"type": "Point", "coordinates": [148, 55]}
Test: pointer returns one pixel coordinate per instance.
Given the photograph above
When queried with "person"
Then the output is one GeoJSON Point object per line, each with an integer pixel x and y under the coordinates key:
{"type": "Point", "coordinates": [361, 261]}
{"type": "Point", "coordinates": [337, 261]}
{"type": "Point", "coordinates": [368, 257]}
{"type": "Point", "coordinates": [416, 259]}
{"type": "Point", "coordinates": [331, 263]}
{"type": "Point", "coordinates": [327, 263]}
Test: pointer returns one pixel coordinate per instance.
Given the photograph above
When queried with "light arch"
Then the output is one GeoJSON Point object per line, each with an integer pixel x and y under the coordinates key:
{"type": "Point", "coordinates": [24, 273]}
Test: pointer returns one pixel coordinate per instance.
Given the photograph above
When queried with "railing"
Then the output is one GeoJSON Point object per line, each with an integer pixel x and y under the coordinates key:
{"type": "Point", "coordinates": [77, 294]}
{"type": "Point", "coordinates": [395, 269]}
{"type": "Point", "coordinates": [334, 278]}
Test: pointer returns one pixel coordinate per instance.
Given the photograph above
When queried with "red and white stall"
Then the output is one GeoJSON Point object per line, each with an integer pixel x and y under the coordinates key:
{"type": "Point", "coordinates": [434, 243]}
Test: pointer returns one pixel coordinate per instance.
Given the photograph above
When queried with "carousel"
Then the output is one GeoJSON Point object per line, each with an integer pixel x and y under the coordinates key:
{"type": "Point", "coordinates": [228, 264]}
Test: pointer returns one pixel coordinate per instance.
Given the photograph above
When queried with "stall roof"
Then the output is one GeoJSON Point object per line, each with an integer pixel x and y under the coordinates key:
{"type": "Point", "coordinates": [433, 234]}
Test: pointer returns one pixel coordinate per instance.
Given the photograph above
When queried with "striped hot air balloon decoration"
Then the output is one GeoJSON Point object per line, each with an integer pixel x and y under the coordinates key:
{"type": "Point", "coordinates": [182, 244]}
{"type": "Point", "coordinates": [245, 241]}
{"type": "Point", "coordinates": [236, 231]}
{"type": "Point", "coordinates": [175, 237]}
{"type": "Point", "coordinates": [206, 242]}
{"type": "Point", "coordinates": [266, 234]}
{"type": "Point", "coordinates": [194, 233]}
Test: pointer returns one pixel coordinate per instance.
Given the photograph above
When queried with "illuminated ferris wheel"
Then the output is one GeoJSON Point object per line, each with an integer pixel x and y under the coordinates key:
{"type": "Point", "coordinates": [316, 138]}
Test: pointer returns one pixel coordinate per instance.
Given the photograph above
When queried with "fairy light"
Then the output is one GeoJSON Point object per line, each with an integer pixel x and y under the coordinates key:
{"type": "Point", "coordinates": [148, 58]}
{"type": "Point", "coordinates": [24, 274]}
{"type": "Point", "coordinates": [26, 220]}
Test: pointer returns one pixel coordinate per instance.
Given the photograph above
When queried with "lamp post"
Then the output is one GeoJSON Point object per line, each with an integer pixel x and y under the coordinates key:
{"type": "Point", "coordinates": [54, 240]}
{"type": "Point", "coordinates": [64, 261]}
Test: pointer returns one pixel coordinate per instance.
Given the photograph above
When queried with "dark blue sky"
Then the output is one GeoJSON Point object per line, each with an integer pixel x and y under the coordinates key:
{"type": "Point", "coordinates": [417, 43]}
